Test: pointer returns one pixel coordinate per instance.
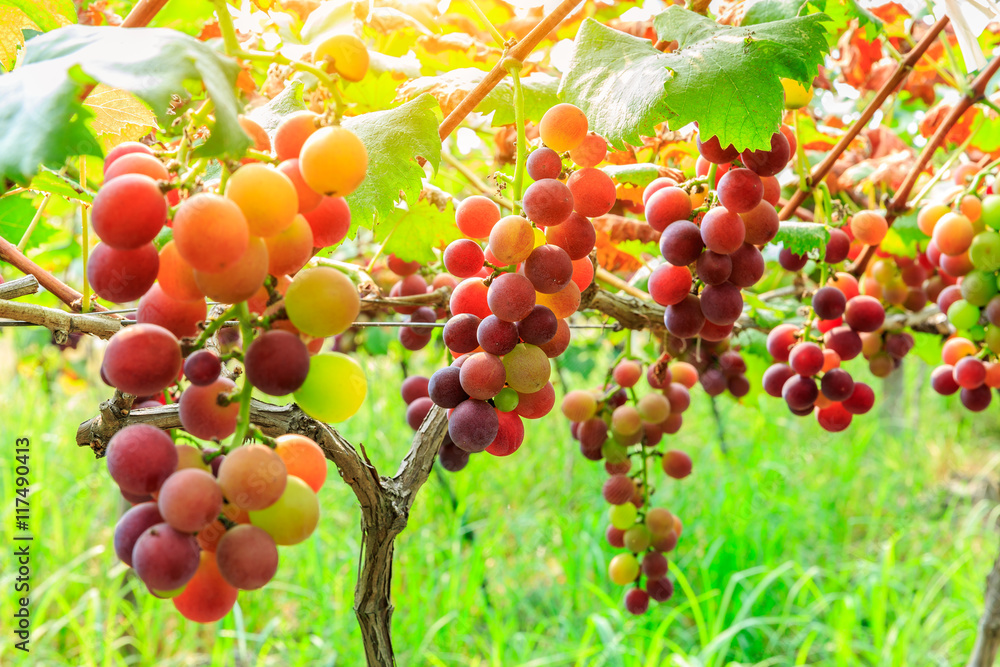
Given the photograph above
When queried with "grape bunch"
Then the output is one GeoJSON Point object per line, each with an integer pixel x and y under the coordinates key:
{"type": "Point", "coordinates": [717, 366]}
{"type": "Point", "coordinates": [208, 520]}
{"type": "Point", "coordinates": [205, 525]}
{"type": "Point", "coordinates": [508, 313]}
{"type": "Point", "coordinates": [710, 238]}
{"type": "Point", "coordinates": [636, 427]}
{"type": "Point", "coordinates": [807, 373]}
{"type": "Point", "coordinates": [965, 247]}
{"type": "Point", "coordinates": [414, 391]}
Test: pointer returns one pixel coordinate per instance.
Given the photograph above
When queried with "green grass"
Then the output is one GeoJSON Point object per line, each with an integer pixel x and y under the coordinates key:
{"type": "Point", "coordinates": [799, 547]}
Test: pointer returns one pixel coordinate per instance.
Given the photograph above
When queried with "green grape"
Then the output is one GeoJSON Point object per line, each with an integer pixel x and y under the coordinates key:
{"type": "Point", "coordinates": [322, 302]}
{"type": "Point", "coordinates": [985, 251]}
{"type": "Point", "coordinates": [978, 287]}
{"type": "Point", "coordinates": [334, 389]}
{"type": "Point", "coordinates": [614, 452]}
{"type": "Point", "coordinates": [990, 215]}
{"type": "Point", "coordinates": [623, 569]}
{"type": "Point", "coordinates": [992, 338]}
{"type": "Point", "coordinates": [976, 333]}
{"type": "Point", "coordinates": [165, 595]}
{"type": "Point", "coordinates": [637, 538]}
{"type": "Point", "coordinates": [506, 400]}
{"type": "Point", "coordinates": [293, 518]}
{"type": "Point", "coordinates": [527, 368]}
{"type": "Point", "coordinates": [623, 516]}
{"type": "Point", "coordinates": [963, 314]}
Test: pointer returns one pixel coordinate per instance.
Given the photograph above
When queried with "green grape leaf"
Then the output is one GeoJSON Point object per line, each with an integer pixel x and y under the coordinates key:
{"type": "Point", "coordinates": [636, 248]}
{"type": "Point", "coordinates": [43, 121]}
{"type": "Point", "coordinates": [619, 81]}
{"type": "Point", "coordinates": [414, 231]}
{"type": "Point", "coordinates": [394, 138]}
{"type": "Point", "coordinates": [802, 237]}
{"type": "Point", "coordinates": [16, 213]}
{"type": "Point", "coordinates": [49, 182]}
{"type": "Point", "coordinates": [927, 347]}
{"type": "Point", "coordinates": [188, 16]}
{"type": "Point", "coordinates": [904, 237]}
{"type": "Point", "coordinates": [726, 78]}
{"type": "Point", "coordinates": [765, 11]}
{"type": "Point", "coordinates": [840, 13]}
{"type": "Point", "coordinates": [46, 14]}
{"type": "Point", "coordinates": [640, 174]}
{"type": "Point", "coordinates": [330, 18]}
{"type": "Point", "coordinates": [450, 88]}
{"type": "Point", "coordinates": [285, 103]}
{"type": "Point", "coordinates": [541, 93]}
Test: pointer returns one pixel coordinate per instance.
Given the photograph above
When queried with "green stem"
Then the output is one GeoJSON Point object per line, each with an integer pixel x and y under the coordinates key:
{"type": "Point", "coordinates": [939, 174]}
{"type": "Point", "coordinates": [514, 67]}
{"type": "Point", "coordinates": [489, 24]}
{"type": "Point", "coordinates": [961, 83]}
{"type": "Point", "coordinates": [801, 164]}
{"type": "Point", "coordinates": [978, 180]}
{"type": "Point", "coordinates": [243, 421]}
{"type": "Point", "coordinates": [710, 176]}
{"type": "Point", "coordinates": [34, 222]}
{"type": "Point", "coordinates": [329, 82]}
{"type": "Point", "coordinates": [85, 242]}
{"type": "Point", "coordinates": [212, 327]}
{"type": "Point", "coordinates": [198, 118]}
{"type": "Point", "coordinates": [226, 27]}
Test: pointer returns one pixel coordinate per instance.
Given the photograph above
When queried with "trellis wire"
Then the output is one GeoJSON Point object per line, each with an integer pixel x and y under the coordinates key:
{"type": "Point", "coordinates": [233, 323]}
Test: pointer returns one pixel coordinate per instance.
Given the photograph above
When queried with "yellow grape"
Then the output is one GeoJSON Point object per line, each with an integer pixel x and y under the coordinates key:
{"type": "Point", "coordinates": [334, 389]}
{"type": "Point", "coordinates": [293, 518]}
{"type": "Point", "coordinates": [190, 457]}
{"type": "Point", "coordinates": [266, 196]}
{"type": "Point", "coordinates": [796, 95]}
{"type": "Point", "coordinates": [322, 302]}
{"type": "Point", "coordinates": [512, 239]}
{"type": "Point", "coordinates": [241, 281]}
{"type": "Point", "coordinates": [563, 127]}
{"type": "Point", "coordinates": [623, 569]}
{"type": "Point", "coordinates": [345, 54]}
{"type": "Point", "coordinates": [333, 161]}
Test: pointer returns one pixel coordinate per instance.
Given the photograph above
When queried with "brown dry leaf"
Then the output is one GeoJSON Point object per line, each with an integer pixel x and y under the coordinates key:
{"type": "Point", "coordinates": [618, 229]}
{"type": "Point", "coordinates": [857, 57]}
{"type": "Point", "coordinates": [474, 49]}
{"type": "Point", "coordinates": [893, 15]}
{"type": "Point", "coordinates": [449, 89]}
{"type": "Point", "coordinates": [301, 7]}
{"type": "Point", "coordinates": [885, 142]}
{"type": "Point", "coordinates": [118, 115]}
{"type": "Point", "coordinates": [98, 13]}
{"type": "Point", "coordinates": [504, 140]}
{"type": "Point", "coordinates": [958, 133]}
{"type": "Point", "coordinates": [611, 258]}
{"type": "Point", "coordinates": [210, 30]}
{"type": "Point", "coordinates": [642, 29]}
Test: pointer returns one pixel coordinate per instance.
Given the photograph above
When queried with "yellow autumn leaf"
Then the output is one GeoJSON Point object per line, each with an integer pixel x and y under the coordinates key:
{"type": "Point", "coordinates": [12, 21]}
{"type": "Point", "coordinates": [118, 116]}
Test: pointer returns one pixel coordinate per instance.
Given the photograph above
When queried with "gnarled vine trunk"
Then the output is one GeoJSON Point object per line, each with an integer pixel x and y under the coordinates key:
{"type": "Point", "coordinates": [385, 501]}
{"type": "Point", "coordinates": [984, 653]}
